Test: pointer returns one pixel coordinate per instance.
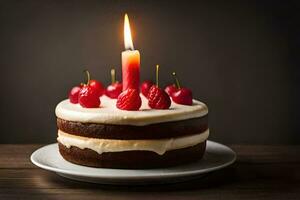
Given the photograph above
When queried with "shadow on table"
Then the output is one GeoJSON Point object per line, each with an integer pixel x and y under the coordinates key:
{"type": "Point", "coordinates": [211, 180]}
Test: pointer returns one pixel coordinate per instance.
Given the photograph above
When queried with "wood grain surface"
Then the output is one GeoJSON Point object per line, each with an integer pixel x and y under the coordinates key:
{"type": "Point", "coordinates": [260, 172]}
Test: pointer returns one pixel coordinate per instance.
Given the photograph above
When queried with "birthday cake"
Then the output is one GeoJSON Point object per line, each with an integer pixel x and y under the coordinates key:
{"type": "Point", "coordinates": [113, 138]}
{"type": "Point", "coordinates": [128, 125]}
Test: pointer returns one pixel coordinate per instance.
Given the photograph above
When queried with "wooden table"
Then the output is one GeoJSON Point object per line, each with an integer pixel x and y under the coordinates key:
{"type": "Point", "coordinates": [260, 172]}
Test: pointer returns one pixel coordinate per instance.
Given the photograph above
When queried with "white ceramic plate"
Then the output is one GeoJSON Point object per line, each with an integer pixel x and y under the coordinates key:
{"type": "Point", "coordinates": [217, 156]}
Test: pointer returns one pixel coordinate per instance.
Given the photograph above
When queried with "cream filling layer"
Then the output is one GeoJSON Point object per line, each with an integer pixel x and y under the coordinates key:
{"type": "Point", "coordinates": [160, 146]}
{"type": "Point", "coordinates": [109, 114]}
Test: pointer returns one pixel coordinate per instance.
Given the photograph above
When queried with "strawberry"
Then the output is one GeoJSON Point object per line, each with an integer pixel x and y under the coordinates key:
{"type": "Point", "coordinates": [129, 100]}
{"type": "Point", "coordinates": [158, 98]}
{"type": "Point", "coordinates": [88, 97]}
{"type": "Point", "coordinates": [91, 90]}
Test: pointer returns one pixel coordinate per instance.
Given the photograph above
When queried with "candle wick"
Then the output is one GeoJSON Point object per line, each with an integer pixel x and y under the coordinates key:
{"type": "Point", "coordinates": [129, 48]}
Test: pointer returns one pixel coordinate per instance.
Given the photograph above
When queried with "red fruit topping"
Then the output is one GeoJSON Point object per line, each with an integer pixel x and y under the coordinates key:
{"type": "Point", "coordinates": [115, 89]}
{"type": "Point", "coordinates": [97, 86]}
{"type": "Point", "coordinates": [170, 89]}
{"type": "Point", "coordinates": [145, 87]}
{"type": "Point", "coordinates": [129, 100]}
{"type": "Point", "coordinates": [183, 96]}
{"type": "Point", "coordinates": [89, 97]}
{"type": "Point", "coordinates": [158, 98]}
{"type": "Point", "coordinates": [73, 94]}
{"type": "Point", "coordinates": [94, 84]}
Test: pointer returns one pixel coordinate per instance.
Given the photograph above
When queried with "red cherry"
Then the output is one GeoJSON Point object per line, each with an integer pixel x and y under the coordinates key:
{"type": "Point", "coordinates": [89, 97]}
{"type": "Point", "coordinates": [97, 86]}
{"type": "Point", "coordinates": [183, 96]}
{"type": "Point", "coordinates": [170, 89]}
{"type": "Point", "coordinates": [73, 94]}
{"type": "Point", "coordinates": [158, 98]}
{"type": "Point", "coordinates": [145, 87]}
{"type": "Point", "coordinates": [114, 90]}
{"type": "Point", "coordinates": [129, 100]}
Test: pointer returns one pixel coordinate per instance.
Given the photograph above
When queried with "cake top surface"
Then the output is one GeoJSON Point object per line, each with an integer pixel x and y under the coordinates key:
{"type": "Point", "coordinates": [108, 113]}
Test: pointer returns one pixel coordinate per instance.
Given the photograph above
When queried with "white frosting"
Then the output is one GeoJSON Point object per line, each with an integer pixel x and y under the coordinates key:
{"type": "Point", "coordinates": [160, 146]}
{"type": "Point", "coordinates": [108, 113]}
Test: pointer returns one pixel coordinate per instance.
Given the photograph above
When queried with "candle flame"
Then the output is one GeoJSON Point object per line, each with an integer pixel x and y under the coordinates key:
{"type": "Point", "coordinates": [127, 34]}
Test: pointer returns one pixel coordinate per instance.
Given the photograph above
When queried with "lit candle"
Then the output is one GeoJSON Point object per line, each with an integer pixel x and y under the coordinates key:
{"type": "Point", "coordinates": [130, 60]}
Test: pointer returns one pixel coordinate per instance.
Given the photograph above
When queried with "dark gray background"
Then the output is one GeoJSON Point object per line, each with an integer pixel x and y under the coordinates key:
{"type": "Point", "coordinates": [240, 57]}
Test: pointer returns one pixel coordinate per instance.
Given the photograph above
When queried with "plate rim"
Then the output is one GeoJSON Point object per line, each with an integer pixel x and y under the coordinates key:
{"type": "Point", "coordinates": [116, 177]}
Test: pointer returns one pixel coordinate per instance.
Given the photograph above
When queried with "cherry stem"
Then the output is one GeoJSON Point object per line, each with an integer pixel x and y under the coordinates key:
{"type": "Point", "coordinates": [88, 76]}
{"type": "Point", "coordinates": [157, 68]}
{"type": "Point", "coordinates": [176, 80]}
{"type": "Point", "coordinates": [113, 75]}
